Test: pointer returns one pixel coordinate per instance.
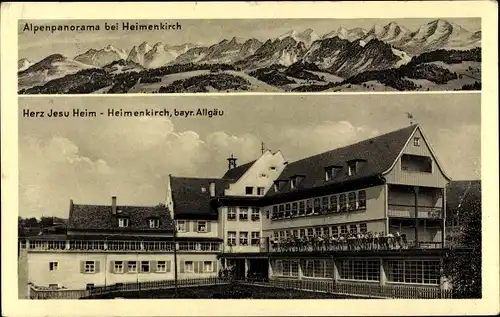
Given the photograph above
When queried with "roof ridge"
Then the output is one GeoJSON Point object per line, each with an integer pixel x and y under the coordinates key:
{"type": "Point", "coordinates": [359, 142]}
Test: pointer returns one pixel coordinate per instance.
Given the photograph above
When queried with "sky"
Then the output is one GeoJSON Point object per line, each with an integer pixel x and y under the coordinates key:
{"type": "Point", "coordinates": [89, 160]}
{"type": "Point", "coordinates": [202, 32]}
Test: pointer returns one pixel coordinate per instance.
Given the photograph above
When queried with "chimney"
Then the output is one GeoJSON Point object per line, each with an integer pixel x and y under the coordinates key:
{"type": "Point", "coordinates": [113, 205]}
{"type": "Point", "coordinates": [212, 189]}
{"type": "Point", "coordinates": [232, 162]}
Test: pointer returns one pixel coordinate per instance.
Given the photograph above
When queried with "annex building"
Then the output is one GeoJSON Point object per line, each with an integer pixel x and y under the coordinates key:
{"type": "Point", "coordinates": [368, 213]}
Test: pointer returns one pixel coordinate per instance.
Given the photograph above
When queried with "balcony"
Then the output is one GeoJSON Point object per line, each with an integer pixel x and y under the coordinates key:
{"type": "Point", "coordinates": [405, 211]}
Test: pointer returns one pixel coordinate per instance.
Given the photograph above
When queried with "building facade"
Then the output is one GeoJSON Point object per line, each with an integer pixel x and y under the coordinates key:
{"type": "Point", "coordinates": [335, 215]}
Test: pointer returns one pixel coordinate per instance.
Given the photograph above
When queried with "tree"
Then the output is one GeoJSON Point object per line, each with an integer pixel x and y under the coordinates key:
{"type": "Point", "coordinates": [464, 267]}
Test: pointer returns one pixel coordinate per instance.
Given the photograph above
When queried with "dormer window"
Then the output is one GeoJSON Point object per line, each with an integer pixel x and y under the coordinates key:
{"type": "Point", "coordinates": [351, 168]}
{"type": "Point", "coordinates": [293, 183]}
{"type": "Point", "coordinates": [416, 141]}
{"type": "Point", "coordinates": [203, 190]}
{"type": "Point", "coordinates": [276, 187]}
{"type": "Point", "coordinates": [154, 223]}
{"type": "Point", "coordinates": [331, 172]}
{"type": "Point", "coordinates": [123, 222]}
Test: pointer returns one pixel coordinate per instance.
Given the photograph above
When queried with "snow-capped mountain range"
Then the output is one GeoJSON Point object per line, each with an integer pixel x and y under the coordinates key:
{"type": "Point", "coordinates": [342, 51]}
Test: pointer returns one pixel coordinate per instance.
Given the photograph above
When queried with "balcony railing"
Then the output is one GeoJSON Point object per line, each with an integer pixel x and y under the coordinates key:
{"type": "Point", "coordinates": [118, 246]}
{"type": "Point", "coordinates": [361, 242]}
{"type": "Point", "coordinates": [337, 288]}
{"type": "Point", "coordinates": [405, 211]}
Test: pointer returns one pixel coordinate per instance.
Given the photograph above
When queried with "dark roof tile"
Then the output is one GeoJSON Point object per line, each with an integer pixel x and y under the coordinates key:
{"type": "Point", "coordinates": [189, 199]}
{"type": "Point", "coordinates": [100, 217]}
{"type": "Point", "coordinates": [238, 171]}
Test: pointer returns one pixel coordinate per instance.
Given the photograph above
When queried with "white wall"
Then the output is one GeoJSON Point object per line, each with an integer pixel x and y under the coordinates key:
{"type": "Point", "coordinates": [375, 210]}
{"type": "Point", "coordinates": [254, 176]}
{"type": "Point", "coordinates": [238, 226]}
{"type": "Point", "coordinates": [192, 225]}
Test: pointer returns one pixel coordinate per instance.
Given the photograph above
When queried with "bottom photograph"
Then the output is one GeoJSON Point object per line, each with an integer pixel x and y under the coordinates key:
{"type": "Point", "coordinates": [266, 197]}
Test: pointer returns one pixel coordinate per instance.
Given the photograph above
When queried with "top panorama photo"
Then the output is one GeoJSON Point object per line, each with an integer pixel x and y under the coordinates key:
{"type": "Point", "coordinates": [257, 55]}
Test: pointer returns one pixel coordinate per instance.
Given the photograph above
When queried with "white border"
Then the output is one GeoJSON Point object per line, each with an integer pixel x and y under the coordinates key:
{"type": "Point", "coordinates": [11, 12]}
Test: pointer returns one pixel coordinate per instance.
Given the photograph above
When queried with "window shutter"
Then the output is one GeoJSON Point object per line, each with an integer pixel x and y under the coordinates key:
{"type": "Point", "coordinates": [153, 266]}
{"type": "Point", "coordinates": [195, 224]}
{"type": "Point", "coordinates": [82, 266]}
{"type": "Point", "coordinates": [168, 266]}
{"type": "Point", "coordinates": [186, 226]}
{"type": "Point", "coordinates": [97, 266]}
{"type": "Point", "coordinates": [196, 266]}
{"type": "Point", "coordinates": [181, 267]}
{"type": "Point", "coordinates": [112, 267]}
{"type": "Point", "coordinates": [125, 266]}
{"type": "Point", "coordinates": [209, 226]}
{"type": "Point", "coordinates": [215, 266]}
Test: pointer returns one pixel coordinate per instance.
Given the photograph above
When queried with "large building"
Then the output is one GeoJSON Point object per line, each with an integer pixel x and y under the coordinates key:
{"type": "Point", "coordinates": [269, 218]}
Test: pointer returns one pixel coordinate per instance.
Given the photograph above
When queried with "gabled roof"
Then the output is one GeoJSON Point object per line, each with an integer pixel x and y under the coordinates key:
{"type": "Point", "coordinates": [379, 153]}
{"type": "Point", "coordinates": [100, 217]}
{"type": "Point", "coordinates": [190, 201]}
{"type": "Point", "coordinates": [237, 172]}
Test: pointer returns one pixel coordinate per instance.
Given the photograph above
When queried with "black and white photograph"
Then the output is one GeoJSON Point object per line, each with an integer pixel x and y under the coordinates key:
{"type": "Point", "coordinates": [180, 197]}
{"type": "Point", "coordinates": [257, 55]}
{"type": "Point", "coordinates": [250, 158]}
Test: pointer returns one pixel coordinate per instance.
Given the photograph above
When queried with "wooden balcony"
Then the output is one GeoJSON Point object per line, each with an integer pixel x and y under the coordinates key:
{"type": "Point", "coordinates": [405, 211]}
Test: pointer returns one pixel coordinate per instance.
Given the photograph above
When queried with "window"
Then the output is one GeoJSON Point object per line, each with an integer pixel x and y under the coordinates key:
{"type": "Point", "coordinates": [288, 209]}
{"type": "Point", "coordinates": [364, 270]}
{"type": "Point", "coordinates": [249, 190]}
{"type": "Point", "coordinates": [351, 168]}
{"type": "Point", "coordinates": [53, 286]}
{"type": "Point", "coordinates": [281, 212]}
{"type": "Point", "coordinates": [317, 231]}
{"type": "Point", "coordinates": [202, 226]}
{"type": "Point", "coordinates": [318, 268]}
{"type": "Point", "coordinates": [411, 271]}
{"type": "Point", "coordinates": [89, 267]}
{"type": "Point", "coordinates": [310, 232]}
{"type": "Point", "coordinates": [285, 268]}
{"type": "Point", "coordinates": [317, 204]}
{"type": "Point", "coordinates": [89, 286]}
{"type": "Point", "coordinates": [255, 238]}
{"type": "Point", "coordinates": [189, 266]}
{"type": "Point", "coordinates": [276, 187]}
{"type": "Point", "coordinates": [123, 222]}
{"type": "Point", "coordinates": [260, 191]}
{"type": "Point", "coordinates": [145, 266]}
{"type": "Point", "coordinates": [352, 201]}
{"type": "Point", "coordinates": [342, 203]}
{"type": "Point", "coordinates": [309, 209]}
{"type": "Point", "coordinates": [294, 209]}
{"type": "Point", "coordinates": [243, 238]}
{"type": "Point", "coordinates": [333, 204]}
{"type": "Point", "coordinates": [187, 246]}
{"type": "Point", "coordinates": [353, 228]}
{"type": "Point", "coordinates": [295, 233]}
{"type": "Point", "coordinates": [335, 231]}
{"type": "Point", "coordinates": [244, 213]}
{"type": "Point", "coordinates": [161, 266]}
{"type": "Point", "coordinates": [302, 208]}
{"type": "Point", "coordinates": [325, 231]}
{"type": "Point", "coordinates": [361, 199]}
{"type": "Point", "coordinates": [118, 267]}
{"type": "Point", "coordinates": [208, 266]}
{"type": "Point", "coordinates": [231, 238]}
{"type": "Point", "coordinates": [293, 183]}
{"type": "Point", "coordinates": [272, 168]}
{"type": "Point", "coordinates": [181, 225]}
{"type": "Point", "coordinates": [255, 214]}
{"type": "Point", "coordinates": [274, 215]}
{"type": "Point", "coordinates": [53, 266]}
{"type": "Point", "coordinates": [416, 141]}
{"type": "Point", "coordinates": [154, 223]}
{"type": "Point", "coordinates": [302, 233]}
{"type": "Point", "coordinates": [416, 163]}
{"type": "Point", "coordinates": [343, 229]}
{"type": "Point", "coordinates": [331, 172]}
{"type": "Point", "coordinates": [324, 204]}
{"type": "Point", "coordinates": [363, 228]}
{"type": "Point", "coordinates": [203, 190]}
{"type": "Point", "coordinates": [231, 213]}
{"type": "Point", "coordinates": [132, 266]}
